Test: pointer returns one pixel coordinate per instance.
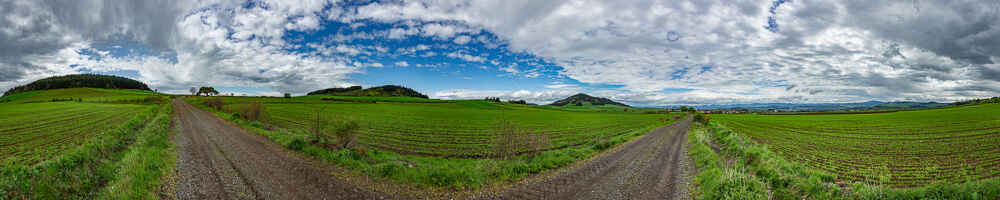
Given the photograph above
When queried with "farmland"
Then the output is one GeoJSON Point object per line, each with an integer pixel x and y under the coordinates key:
{"type": "Point", "coordinates": [453, 140]}
{"type": "Point", "coordinates": [33, 133]}
{"type": "Point", "coordinates": [899, 149]}
{"type": "Point", "coordinates": [70, 143]}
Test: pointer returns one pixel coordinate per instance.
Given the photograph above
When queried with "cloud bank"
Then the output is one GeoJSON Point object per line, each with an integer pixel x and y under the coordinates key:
{"type": "Point", "coordinates": [651, 52]}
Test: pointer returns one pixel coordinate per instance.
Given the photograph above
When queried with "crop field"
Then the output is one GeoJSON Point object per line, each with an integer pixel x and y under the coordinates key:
{"type": "Point", "coordinates": [898, 149]}
{"type": "Point", "coordinates": [36, 131]}
{"type": "Point", "coordinates": [82, 94]}
{"type": "Point", "coordinates": [456, 128]}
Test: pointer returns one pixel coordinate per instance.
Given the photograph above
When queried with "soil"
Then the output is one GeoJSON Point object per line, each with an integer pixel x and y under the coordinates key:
{"type": "Point", "coordinates": [217, 160]}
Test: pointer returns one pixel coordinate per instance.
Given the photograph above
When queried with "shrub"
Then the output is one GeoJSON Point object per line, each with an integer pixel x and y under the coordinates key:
{"type": "Point", "coordinates": [287, 95]}
{"type": "Point", "coordinates": [511, 140]}
{"type": "Point", "coordinates": [345, 132]}
{"type": "Point", "coordinates": [253, 111]}
{"type": "Point", "coordinates": [297, 144]}
{"type": "Point", "coordinates": [700, 118]}
{"type": "Point", "coordinates": [215, 103]}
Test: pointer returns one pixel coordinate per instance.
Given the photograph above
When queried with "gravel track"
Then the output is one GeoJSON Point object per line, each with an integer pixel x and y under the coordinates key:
{"type": "Point", "coordinates": [651, 167]}
{"type": "Point", "coordinates": [217, 160]}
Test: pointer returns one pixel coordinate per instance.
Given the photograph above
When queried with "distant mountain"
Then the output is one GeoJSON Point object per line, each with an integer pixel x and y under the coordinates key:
{"type": "Point", "coordinates": [583, 99]}
{"type": "Point", "coordinates": [791, 107]}
{"type": "Point", "coordinates": [380, 91]}
{"type": "Point", "coordinates": [80, 81]}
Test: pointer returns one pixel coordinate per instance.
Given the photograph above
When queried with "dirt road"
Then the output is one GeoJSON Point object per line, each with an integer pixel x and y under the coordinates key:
{"type": "Point", "coordinates": [217, 160]}
{"type": "Point", "coordinates": [652, 167]}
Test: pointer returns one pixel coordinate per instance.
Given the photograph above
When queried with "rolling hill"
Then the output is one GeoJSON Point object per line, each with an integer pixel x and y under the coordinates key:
{"type": "Point", "coordinates": [79, 81]}
{"type": "Point", "coordinates": [380, 91]}
{"type": "Point", "coordinates": [584, 99]}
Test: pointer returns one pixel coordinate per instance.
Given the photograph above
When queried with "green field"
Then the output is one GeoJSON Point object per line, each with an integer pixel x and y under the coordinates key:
{"type": "Point", "coordinates": [898, 149]}
{"type": "Point", "coordinates": [71, 143]}
{"type": "Point", "coordinates": [449, 144]}
{"type": "Point", "coordinates": [38, 131]}
{"type": "Point", "coordinates": [82, 94]}
{"type": "Point", "coordinates": [462, 129]}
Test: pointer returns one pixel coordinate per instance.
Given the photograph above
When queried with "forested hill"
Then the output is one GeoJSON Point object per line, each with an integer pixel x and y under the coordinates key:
{"type": "Point", "coordinates": [380, 91]}
{"type": "Point", "coordinates": [80, 81]}
{"type": "Point", "coordinates": [583, 99]}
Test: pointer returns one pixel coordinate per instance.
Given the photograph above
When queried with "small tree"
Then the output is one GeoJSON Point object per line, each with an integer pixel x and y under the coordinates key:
{"type": "Point", "coordinates": [344, 131]}
{"type": "Point", "coordinates": [194, 91]}
{"type": "Point", "coordinates": [207, 91]}
{"type": "Point", "coordinates": [288, 96]}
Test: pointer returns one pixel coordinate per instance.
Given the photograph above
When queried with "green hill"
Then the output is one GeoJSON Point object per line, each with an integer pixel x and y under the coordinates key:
{"type": "Point", "coordinates": [79, 81]}
{"type": "Point", "coordinates": [335, 90]}
{"type": "Point", "coordinates": [380, 91]}
{"type": "Point", "coordinates": [584, 99]}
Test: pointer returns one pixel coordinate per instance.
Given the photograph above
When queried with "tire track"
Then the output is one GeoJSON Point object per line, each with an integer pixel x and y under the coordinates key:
{"type": "Point", "coordinates": [648, 168]}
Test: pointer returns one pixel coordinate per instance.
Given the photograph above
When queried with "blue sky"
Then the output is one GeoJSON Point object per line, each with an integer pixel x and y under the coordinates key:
{"type": "Point", "coordinates": [646, 53]}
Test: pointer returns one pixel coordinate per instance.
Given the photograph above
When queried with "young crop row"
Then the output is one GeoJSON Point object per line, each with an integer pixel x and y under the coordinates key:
{"type": "Point", "coordinates": [731, 166]}
{"type": "Point", "coordinates": [125, 159]}
{"type": "Point", "coordinates": [453, 130]}
{"type": "Point", "coordinates": [39, 131]}
{"type": "Point", "coordinates": [900, 149]}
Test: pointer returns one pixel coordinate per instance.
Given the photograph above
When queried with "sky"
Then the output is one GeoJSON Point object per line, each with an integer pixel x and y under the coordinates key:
{"type": "Point", "coordinates": [641, 52]}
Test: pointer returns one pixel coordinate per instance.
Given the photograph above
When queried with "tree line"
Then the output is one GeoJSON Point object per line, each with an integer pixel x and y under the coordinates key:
{"type": "Point", "coordinates": [80, 81]}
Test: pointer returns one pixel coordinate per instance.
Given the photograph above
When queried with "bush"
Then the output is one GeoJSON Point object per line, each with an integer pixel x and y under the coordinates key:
{"type": "Point", "coordinates": [297, 144]}
{"type": "Point", "coordinates": [345, 132]}
{"type": "Point", "coordinates": [511, 140]}
{"type": "Point", "coordinates": [700, 118]}
{"type": "Point", "coordinates": [253, 111]}
{"type": "Point", "coordinates": [215, 103]}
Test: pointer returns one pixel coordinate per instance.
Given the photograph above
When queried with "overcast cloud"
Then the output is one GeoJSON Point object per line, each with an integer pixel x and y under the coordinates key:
{"type": "Point", "coordinates": [641, 52]}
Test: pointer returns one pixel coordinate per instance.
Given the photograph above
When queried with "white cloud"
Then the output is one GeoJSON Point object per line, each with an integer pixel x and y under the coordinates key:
{"type": "Point", "coordinates": [466, 57]}
{"type": "Point", "coordinates": [822, 51]}
{"type": "Point", "coordinates": [537, 97]}
{"type": "Point", "coordinates": [825, 50]}
{"type": "Point", "coordinates": [402, 64]}
{"type": "Point", "coordinates": [462, 39]}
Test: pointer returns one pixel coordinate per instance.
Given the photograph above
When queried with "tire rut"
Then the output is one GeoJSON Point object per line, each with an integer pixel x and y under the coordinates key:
{"type": "Point", "coordinates": [217, 160]}
{"type": "Point", "coordinates": [648, 168]}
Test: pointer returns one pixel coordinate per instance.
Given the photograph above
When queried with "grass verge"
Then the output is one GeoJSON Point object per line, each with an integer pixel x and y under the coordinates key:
{"type": "Point", "coordinates": [141, 170]}
{"type": "Point", "coordinates": [733, 167]}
